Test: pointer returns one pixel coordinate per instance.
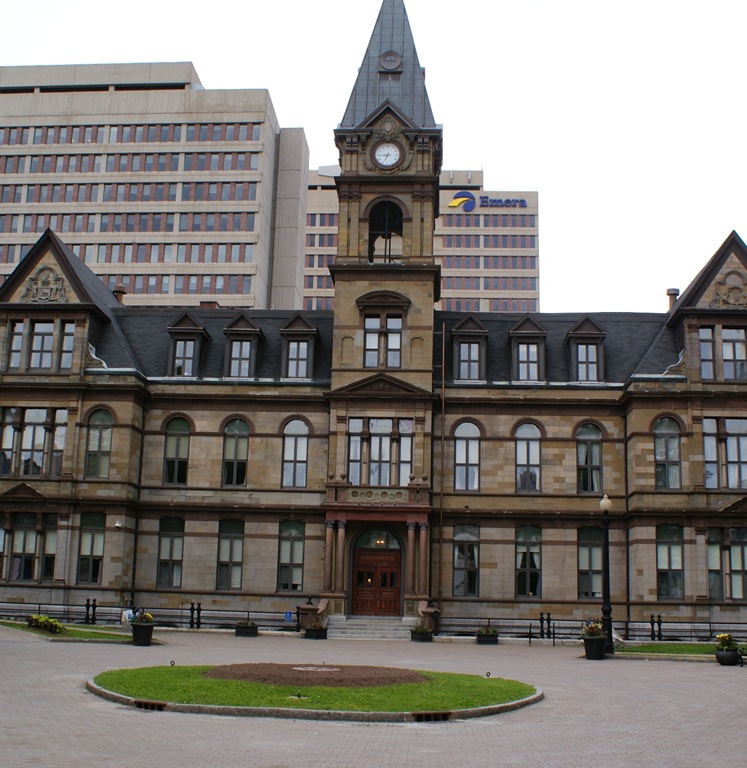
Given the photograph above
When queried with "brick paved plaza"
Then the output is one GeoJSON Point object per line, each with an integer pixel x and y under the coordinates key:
{"type": "Point", "coordinates": [608, 713]}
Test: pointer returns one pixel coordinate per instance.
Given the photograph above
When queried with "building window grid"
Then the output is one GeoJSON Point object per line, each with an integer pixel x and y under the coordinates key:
{"type": "Point", "coordinates": [587, 362]}
{"type": "Point", "coordinates": [528, 458]}
{"type": "Point", "coordinates": [528, 562]}
{"type": "Point", "coordinates": [23, 548]}
{"type": "Point", "coordinates": [91, 549]}
{"type": "Point", "coordinates": [667, 454]}
{"type": "Point", "coordinates": [466, 561]}
{"type": "Point", "coordinates": [589, 459]}
{"type": "Point", "coordinates": [298, 359]}
{"type": "Point", "coordinates": [176, 452]}
{"type": "Point", "coordinates": [291, 556]}
{"type": "Point", "coordinates": [170, 553]}
{"type": "Point", "coordinates": [725, 452]}
{"type": "Point", "coordinates": [669, 562]}
{"type": "Point", "coordinates": [715, 564]}
{"type": "Point", "coordinates": [295, 452]}
{"type": "Point", "coordinates": [379, 451]}
{"type": "Point", "coordinates": [528, 361]}
{"type": "Point", "coordinates": [235, 452]}
{"type": "Point", "coordinates": [230, 554]}
{"type": "Point", "coordinates": [590, 553]}
{"type": "Point", "coordinates": [469, 362]}
{"type": "Point", "coordinates": [738, 563]}
{"type": "Point", "coordinates": [467, 457]}
{"type": "Point", "coordinates": [734, 353]}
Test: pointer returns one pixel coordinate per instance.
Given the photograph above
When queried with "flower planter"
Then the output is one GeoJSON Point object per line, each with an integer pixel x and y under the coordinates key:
{"type": "Point", "coordinates": [416, 636]}
{"type": "Point", "coordinates": [245, 630]}
{"type": "Point", "coordinates": [728, 657]}
{"type": "Point", "coordinates": [315, 633]}
{"type": "Point", "coordinates": [142, 633]}
{"type": "Point", "coordinates": [594, 647]}
{"type": "Point", "coordinates": [487, 638]}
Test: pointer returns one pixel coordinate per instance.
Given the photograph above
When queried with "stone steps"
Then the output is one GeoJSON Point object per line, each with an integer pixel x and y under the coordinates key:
{"type": "Point", "coordinates": [368, 628]}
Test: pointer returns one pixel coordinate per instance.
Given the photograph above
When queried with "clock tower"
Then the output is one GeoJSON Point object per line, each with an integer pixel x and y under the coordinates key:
{"type": "Point", "coordinates": [378, 505]}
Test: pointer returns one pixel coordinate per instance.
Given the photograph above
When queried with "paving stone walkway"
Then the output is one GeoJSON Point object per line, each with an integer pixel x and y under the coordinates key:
{"type": "Point", "coordinates": [607, 713]}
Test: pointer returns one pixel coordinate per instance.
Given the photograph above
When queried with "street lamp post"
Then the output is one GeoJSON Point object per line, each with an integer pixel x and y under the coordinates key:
{"type": "Point", "coordinates": [605, 505]}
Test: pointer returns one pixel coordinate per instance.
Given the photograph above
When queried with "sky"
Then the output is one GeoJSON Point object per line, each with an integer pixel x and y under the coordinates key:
{"type": "Point", "coordinates": [627, 118]}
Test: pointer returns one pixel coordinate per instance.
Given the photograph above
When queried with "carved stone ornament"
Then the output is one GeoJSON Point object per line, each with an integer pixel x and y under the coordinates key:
{"type": "Point", "coordinates": [388, 129]}
{"type": "Point", "coordinates": [45, 287]}
{"type": "Point", "coordinates": [730, 293]}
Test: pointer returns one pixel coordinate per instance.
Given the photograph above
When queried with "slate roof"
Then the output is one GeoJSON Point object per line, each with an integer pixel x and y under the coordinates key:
{"type": "Point", "coordinates": [405, 89]}
{"type": "Point", "coordinates": [145, 331]}
{"type": "Point", "coordinates": [634, 343]}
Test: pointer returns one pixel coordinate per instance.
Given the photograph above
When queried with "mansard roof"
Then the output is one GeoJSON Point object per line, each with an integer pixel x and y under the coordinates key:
{"type": "Point", "coordinates": [390, 72]}
{"type": "Point", "coordinates": [634, 344]}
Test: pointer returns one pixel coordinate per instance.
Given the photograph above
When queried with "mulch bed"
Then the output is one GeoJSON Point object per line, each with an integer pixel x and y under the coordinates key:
{"type": "Point", "coordinates": [307, 675]}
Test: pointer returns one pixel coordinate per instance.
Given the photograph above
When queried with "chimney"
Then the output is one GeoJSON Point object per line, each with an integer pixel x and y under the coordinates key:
{"type": "Point", "coordinates": [673, 293]}
{"type": "Point", "coordinates": [119, 292]}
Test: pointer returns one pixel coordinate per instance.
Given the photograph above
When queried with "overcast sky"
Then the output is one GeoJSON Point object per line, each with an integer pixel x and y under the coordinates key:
{"type": "Point", "coordinates": [628, 118]}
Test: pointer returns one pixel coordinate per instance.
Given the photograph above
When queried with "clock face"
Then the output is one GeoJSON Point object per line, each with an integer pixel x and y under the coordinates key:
{"type": "Point", "coordinates": [387, 154]}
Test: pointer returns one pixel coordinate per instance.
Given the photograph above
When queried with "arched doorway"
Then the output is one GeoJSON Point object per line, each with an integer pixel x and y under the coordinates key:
{"type": "Point", "coordinates": [377, 565]}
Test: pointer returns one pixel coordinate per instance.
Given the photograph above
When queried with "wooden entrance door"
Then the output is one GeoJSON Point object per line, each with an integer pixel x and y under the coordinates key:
{"type": "Point", "coordinates": [376, 587]}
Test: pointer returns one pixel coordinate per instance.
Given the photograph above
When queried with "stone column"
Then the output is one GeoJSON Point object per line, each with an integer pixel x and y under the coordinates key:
{"type": "Point", "coordinates": [340, 557]}
{"type": "Point", "coordinates": [410, 560]}
{"type": "Point", "coordinates": [328, 554]}
{"type": "Point", "coordinates": [423, 555]}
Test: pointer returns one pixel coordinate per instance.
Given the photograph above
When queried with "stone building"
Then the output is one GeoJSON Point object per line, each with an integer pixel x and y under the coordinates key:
{"type": "Point", "coordinates": [384, 453]}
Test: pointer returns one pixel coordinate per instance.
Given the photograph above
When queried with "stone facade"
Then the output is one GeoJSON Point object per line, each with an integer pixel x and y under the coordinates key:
{"type": "Point", "coordinates": [384, 454]}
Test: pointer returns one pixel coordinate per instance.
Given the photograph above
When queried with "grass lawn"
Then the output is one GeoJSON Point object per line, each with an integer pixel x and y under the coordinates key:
{"type": "Point", "coordinates": [187, 685]}
{"type": "Point", "coordinates": [681, 649]}
{"type": "Point", "coordinates": [73, 632]}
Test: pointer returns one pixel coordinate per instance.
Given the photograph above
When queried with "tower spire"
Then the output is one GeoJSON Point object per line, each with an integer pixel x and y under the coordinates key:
{"type": "Point", "coordinates": [390, 72]}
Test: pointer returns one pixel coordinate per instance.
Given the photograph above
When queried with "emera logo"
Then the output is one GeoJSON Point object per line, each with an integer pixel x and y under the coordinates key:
{"type": "Point", "coordinates": [463, 197]}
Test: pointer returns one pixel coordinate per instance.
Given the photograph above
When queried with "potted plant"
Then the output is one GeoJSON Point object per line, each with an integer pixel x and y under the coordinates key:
{"type": "Point", "coordinates": [727, 652]}
{"type": "Point", "coordinates": [421, 634]}
{"type": "Point", "coordinates": [487, 635]}
{"type": "Point", "coordinates": [245, 629]}
{"type": "Point", "coordinates": [142, 628]}
{"type": "Point", "coordinates": [315, 631]}
{"type": "Point", "coordinates": [594, 639]}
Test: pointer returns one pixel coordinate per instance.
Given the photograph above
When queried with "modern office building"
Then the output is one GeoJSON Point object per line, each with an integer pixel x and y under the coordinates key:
{"type": "Point", "coordinates": [383, 454]}
{"type": "Point", "coordinates": [486, 243]}
{"type": "Point", "coordinates": [177, 193]}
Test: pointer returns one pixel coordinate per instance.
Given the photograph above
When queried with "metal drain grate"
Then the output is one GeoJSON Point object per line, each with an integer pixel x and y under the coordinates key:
{"type": "Point", "coordinates": [431, 717]}
{"type": "Point", "coordinates": [152, 706]}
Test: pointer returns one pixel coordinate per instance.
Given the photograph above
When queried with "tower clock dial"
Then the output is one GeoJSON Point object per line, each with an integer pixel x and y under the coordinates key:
{"type": "Point", "coordinates": [387, 154]}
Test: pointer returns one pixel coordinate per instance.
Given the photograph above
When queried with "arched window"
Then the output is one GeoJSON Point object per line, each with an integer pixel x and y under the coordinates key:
{"type": "Point", "coordinates": [99, 444]}
{"type": "Point", "coordinates": [589, 459]}
{"type": "Point", "coordinates": [385, 233]}
{"type": "Point", "coordinates": [527, 457]}
{"type": "Point", "coordinates": [176, 452]}
{"type": "Point", "coordinates": [295, 449]}
{"type": "Point", "coordinates": [667, 453]}
{"type": "Point", "coordinates": [467, 457]}
{"type": "Point", "coordinates": [235, 452]}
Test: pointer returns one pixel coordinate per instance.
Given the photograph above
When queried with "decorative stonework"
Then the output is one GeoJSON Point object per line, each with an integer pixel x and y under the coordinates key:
{"type": "Point", "coordinates": [388, 129]}
{"type": "Point", "coordinates": [730, 293]}
{"type": "Point", "coordinates": [45, 287]}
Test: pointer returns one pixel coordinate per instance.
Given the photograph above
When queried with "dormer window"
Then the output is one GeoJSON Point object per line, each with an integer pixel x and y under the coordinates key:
{"type": "Point", "coordinates": [188, 339]}
{"type": "Point", "coordinates": [527, 351]}
{"type": "Point", "coordinates": [298, 348]}
{"type": "Point", "coordinates": [242, 348]}
{"type": "Point", "coordinates": [469, 345]}
{"type": "Point", "coordinates": [586, 351]}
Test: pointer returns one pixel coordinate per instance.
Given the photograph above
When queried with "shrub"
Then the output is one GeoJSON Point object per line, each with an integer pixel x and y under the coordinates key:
{"type": "Point", "coordinates": [38, 621]}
